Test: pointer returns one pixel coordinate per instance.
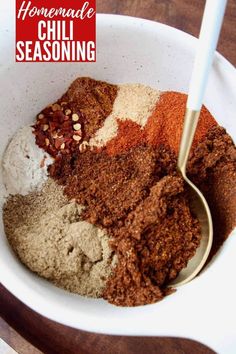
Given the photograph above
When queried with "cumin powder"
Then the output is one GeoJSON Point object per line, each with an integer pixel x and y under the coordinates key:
{"type": "Point", "coordinates": [49, 237]}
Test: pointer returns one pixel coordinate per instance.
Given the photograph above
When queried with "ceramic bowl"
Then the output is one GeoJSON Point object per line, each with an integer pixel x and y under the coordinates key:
{"type": "Point", "coordinates": [128, 50]}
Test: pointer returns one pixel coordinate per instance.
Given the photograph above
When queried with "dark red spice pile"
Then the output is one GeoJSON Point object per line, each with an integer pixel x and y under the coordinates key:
{"type": "Point", "coordinates": [156, 242]}
{"type": "Point", "coordinates": [112, 186]}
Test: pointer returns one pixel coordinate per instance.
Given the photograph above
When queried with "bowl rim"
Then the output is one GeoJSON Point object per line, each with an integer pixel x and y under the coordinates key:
{"type": "Point", "coordinates": [166, 27]}
{"type": "Point", "coordinates": [30, 296]}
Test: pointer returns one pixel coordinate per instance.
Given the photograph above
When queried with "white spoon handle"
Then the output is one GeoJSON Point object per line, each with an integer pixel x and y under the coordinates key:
{"type": "Point", "coordinates": [208, 38]}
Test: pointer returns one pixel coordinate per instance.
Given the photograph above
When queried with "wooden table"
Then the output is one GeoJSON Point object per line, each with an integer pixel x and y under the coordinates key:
{"type": "Point", "coordinates": [25, 330]}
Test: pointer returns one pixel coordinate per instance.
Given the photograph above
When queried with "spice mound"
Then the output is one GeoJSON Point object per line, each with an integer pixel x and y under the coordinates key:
{"type": "Point", "coordinates": [108, 215]}
{"type": "Point", "coordinates": [73, 119]}
{"type": "Point", "coordinates": [24, 164]}
{"type": "Point", "coordinates": [142, 202]}
{"type": "Point", "coordinates": [155, 244]}
{"type": "Point", "coordinates": [212, 167]}
{"type": "Point", "coordinates": [50, 238]}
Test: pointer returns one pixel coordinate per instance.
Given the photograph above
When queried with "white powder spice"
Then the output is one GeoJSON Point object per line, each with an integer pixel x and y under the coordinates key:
{"type": "Point", "coordinates": [24, 164]}
{"type": "Point", "coordinates": [135, 102]}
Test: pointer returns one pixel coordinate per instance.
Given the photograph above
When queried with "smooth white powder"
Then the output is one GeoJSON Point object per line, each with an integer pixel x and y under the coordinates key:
{"type": "Point", "coordinates": [24, 163]}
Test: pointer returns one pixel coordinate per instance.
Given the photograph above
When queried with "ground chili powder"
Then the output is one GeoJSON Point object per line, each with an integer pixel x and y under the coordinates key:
{"type": "Point", "coordinates": [129, 134]}
{"type": "Point", "coordinates": [164, 126]}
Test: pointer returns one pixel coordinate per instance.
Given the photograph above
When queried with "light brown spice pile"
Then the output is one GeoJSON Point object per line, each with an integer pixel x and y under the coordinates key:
{"type": "Point", "coordinates": [47, 234]}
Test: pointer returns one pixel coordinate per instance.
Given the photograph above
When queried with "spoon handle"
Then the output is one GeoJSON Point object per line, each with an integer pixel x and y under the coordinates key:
{"type": "Point", "coordinates": [207, 42]}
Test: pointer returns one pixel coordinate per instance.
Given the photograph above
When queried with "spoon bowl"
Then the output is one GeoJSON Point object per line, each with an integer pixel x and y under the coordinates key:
{"type": "Point", "coordinates": [200, 208]}
{"type": "Point", "coordinates": [198, 204]}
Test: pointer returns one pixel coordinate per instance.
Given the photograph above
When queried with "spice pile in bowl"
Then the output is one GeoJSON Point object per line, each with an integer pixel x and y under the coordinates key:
{"type": "Point", "coordinates": [98, 207]}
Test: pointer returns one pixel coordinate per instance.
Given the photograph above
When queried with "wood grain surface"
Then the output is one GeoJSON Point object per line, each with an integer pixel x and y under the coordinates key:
{"type": "Point", "coordinates": [182, 14]}
{"type": "Point", "coordinates": [29, 333]}
{"type": "Point", "coordinates": [53, 338]}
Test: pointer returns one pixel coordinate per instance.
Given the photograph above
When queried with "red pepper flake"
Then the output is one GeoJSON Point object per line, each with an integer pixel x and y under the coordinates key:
{"type": "Point", "coordinates": [75, 117]}
{"type": "Point", "coordinates": [54, 129]}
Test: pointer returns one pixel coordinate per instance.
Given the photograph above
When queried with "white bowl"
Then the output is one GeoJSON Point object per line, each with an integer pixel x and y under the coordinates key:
{"type": "Point", "coordinates": [128, 50]}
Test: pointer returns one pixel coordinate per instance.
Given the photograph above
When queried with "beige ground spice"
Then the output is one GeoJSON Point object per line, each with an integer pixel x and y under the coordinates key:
{"type": "Point", "coordinates": [48, 236]}
{"type": "Point", "coordinates": [133, 101]}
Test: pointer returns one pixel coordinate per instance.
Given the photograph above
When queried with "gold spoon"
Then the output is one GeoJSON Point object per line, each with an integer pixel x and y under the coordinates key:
{"type": "Point", "coordinates": [208, 38]}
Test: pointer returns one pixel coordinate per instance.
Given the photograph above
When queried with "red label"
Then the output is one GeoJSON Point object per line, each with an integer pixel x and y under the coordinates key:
{"type": "Point", "coordinates": [55, 31]}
